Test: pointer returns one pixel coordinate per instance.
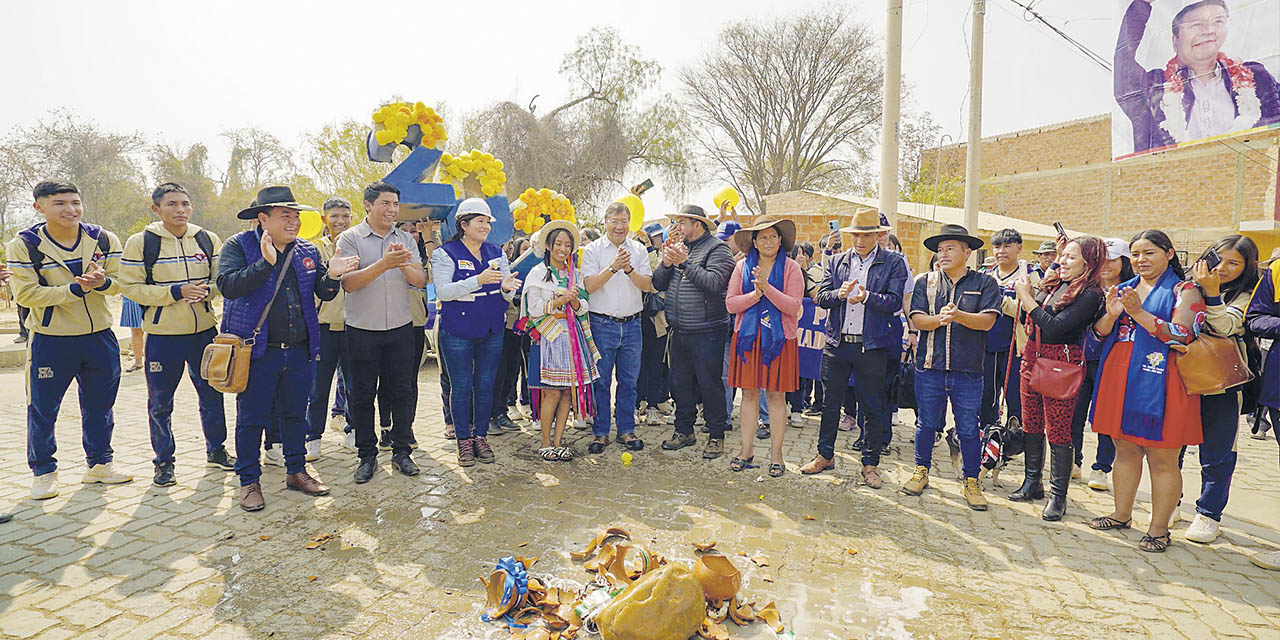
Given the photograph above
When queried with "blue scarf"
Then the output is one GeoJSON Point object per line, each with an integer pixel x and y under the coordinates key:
{"type": "Point", "coordinates": [1143, 414]}
{"type": "Point", "coordinates": [762, 318]}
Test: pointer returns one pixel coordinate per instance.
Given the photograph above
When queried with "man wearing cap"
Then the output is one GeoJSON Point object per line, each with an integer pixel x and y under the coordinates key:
{"type": "Point", "coordinates": [616, 274]}
{"type": "Point", "coordinates": [862, 289]}
{"type": "Point", "coordinates": [269, 278]}
{"type": "Point", "coordinates": [1046, 255]}
{"type": "Point", "coordinates": [695, 274]}
{"type": "Point", "coordinates": [953, 307]}
{"type": "Point", "coordinates": [379, 327]}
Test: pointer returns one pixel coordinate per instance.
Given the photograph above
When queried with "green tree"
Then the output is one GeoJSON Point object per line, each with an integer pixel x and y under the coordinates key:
{"type": "Point", "coordinates": [336, 159]}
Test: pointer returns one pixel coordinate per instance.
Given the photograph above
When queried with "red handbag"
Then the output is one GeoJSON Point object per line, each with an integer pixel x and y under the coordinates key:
{"type": "Point", "coordinates": [1052, 378]}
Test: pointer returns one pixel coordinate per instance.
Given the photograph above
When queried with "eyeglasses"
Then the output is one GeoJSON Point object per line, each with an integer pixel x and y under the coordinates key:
{"type": "Point", "coordinates": [1201, 26]}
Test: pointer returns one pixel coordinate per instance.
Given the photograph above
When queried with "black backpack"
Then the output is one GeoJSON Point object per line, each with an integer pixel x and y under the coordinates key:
{"type": "Point", "coordinates": [37, 256]}
{"type": "Point", "coordinates": [151, 253]}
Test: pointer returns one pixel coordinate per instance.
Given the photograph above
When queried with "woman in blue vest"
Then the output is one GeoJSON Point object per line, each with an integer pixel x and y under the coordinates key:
{"type": "Point", "coordinates": [474, 284]}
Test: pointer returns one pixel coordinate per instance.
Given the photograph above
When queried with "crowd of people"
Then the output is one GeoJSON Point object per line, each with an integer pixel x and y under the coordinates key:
{"type": "Point", "coordinates": [607, 331]}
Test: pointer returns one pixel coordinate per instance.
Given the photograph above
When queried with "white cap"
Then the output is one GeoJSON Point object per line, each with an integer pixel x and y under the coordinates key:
{"type": "Point", "coordinates": [472, 207]}
{"type": "Point", "coordinates": [1117, 248]}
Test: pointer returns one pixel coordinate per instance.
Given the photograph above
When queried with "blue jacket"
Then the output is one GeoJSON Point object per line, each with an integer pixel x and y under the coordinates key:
{"type": "Point", "coordinates": [246, 281]}
{"type": "Point", "coordinates": [886, 279]}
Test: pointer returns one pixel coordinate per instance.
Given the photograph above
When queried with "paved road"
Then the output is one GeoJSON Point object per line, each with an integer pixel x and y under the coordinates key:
{"type": "Point", "coordinates": [135, 561]}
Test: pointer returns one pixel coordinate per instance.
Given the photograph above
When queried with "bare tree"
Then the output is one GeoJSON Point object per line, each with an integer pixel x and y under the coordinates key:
{"type": "Point", "coordinates": [789, 104]}
{"type": "Point", "coordinates": [257, 158]}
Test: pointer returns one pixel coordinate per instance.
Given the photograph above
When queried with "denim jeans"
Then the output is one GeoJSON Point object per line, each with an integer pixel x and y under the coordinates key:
{"type": "Point", "coordinates": [168, 357]}
{"type": "Point", "coordinates": [964, 390]}
{"type": "Point", "coordinates": [340, 396]}
{"type": "Point", "coordinates": [277, 393]}
{"type": "Point", "coordinates": [333, 349]}
{"type": "Point", "coordinates": [620, 347]}
{"type": "Point", "coordinates": [697, 360]}
{"type": "Point", "coordinates": [839, 360]}
{"type": "Point", "coordinates": [1219, 417]}
{"type": "Point", "coordinates": [472, 365]}
{"type": "Point", "coordinates": [93, 361]}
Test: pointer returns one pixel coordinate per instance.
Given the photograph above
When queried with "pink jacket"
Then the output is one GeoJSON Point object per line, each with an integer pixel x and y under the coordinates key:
{"type": "Point", "coordinates": [790, 301]}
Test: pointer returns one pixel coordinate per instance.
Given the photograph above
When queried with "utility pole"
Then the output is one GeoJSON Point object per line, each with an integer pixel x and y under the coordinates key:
{"type": "Point", "coordinates": [890, 112]}
{"type": "Point", "coordinates": [973, 159]}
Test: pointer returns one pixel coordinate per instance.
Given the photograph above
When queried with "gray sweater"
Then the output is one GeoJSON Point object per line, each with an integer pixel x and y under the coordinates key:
{"type": "Point", "coordinates": [696, 289]}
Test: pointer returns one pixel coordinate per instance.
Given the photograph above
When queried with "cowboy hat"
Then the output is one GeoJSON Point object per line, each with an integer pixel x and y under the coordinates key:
{"type": "Point", "coordinates": [866, 220]}
{"type": "Point", "coordinates": [1047, 246]}
{"type": "Point", "coordinates": [540, 240]}
{"type": "Point", "coordinates": [953, 232]}
{"type": "Point", "coordinates": [745, 237]}
{"type": "Point", "coordinates": [272, 197]}
{"type": "Point", "coordinates": [697, 213]}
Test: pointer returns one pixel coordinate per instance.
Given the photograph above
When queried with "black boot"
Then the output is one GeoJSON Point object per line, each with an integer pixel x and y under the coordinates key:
{"type": "Point", "coordinates": [1032, 483]}
{"type": "Point", "coordinates": [1059, 477]}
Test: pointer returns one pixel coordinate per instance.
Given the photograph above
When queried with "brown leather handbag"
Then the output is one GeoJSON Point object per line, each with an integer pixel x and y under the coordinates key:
{"type": "Point", "coordinates": [225, 363]}
{"type": "Point", "coordinates": [1212, 364]}
{"type": "Point", "coordinates": [1053, 378]}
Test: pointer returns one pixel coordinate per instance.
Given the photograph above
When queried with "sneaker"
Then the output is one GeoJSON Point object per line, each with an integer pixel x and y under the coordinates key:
{"type": "Point", "coordinates": [338, 422]}
{"type": "Point", "coordinates": [466, 452]}
{"type": "Point", "coordinates": [679, 441]}
{"type": "Point", "coordinates": [580, 424]}
{"type": "Point", "coordinates": [815, 412]}
{"type": "Point", "coordinates": [164, 475]}
{"type": "Point", "coordinates": [220, 459]}
{"type": "Point", "coordinates": [713, 449]}
{"type": "Point", "coordinates": [45, 486]}
{"type": "Point", "coordinates": [384, 443]}
{"type": "Point", "coordinates": [1203, 529]}
{"type": "Point", "coordinates": [642, 416]}
{"type": "Point", "coordinates": [502, 424]}
{"type": "Point", "coordinates": [1076, 472]}
{"type": "Point", "coordinates": [1176, 515]}
{"type": "Point", "coordinates": [104, 474]}
{"type": "Point", "coordinates": [313, 450]}
{"type": "Point", "coordinates": [1098, 480]}
{"type": "Point", "coordinates": [1269, 560]}
{"type": "Point", "coordinates": [483, 452]}
{"type": "Point", "coordinates": [919, 480]}
{"type": "Point", "coordinates": [973, 494]}
{"type": "Point", "coordinates": [349, 440]}
{"type": "Point", "coordinates": [848, 423]}
{"type": "Point", "coordinates": [666, 408]}
{"type": "Point", "coordinates": [524, 411]}
{"type": "Point", "coordinates": [763, 433]}
{"type": "Point", "coordinates": [275, 456]}
{"type": "Point", "coordinates": [19, 340]}
{"type": "Point", "coordinates": [797, 420]}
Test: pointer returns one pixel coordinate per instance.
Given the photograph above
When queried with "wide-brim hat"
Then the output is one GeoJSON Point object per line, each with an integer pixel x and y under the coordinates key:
{"type": "Point", "coordinates": [866, 220]}
{"type": "Point", "coordinates": [787, 229]}
{"type": "Point", "coordinates": [272, 197]}
{"type": "Point", "coordinates": [695, 212]}
{"type": "Point", "coordinates": [1047, 246]}
{"type": "Point", "coordinates": [953, 232]}
{"type": "Point", "coordinates": [540, 240]}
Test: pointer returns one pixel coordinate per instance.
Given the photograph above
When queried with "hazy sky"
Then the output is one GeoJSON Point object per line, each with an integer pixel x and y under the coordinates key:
{"type": "Point", "coordinates": [182, 72]}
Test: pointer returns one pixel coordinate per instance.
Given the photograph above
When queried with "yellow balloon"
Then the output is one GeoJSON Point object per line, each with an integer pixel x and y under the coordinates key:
{"type": "Point", "coordinates": [727, 194]}
{"type": "Point", "coordinates": [636, 207]}
{"type": "Point", "coordinates": [311, 225]}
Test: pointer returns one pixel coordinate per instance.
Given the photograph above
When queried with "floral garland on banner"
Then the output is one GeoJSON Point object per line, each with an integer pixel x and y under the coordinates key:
{"type": "Point", "coordinates": [1242, 85]}
{"type": "Point", "coordinates": [535, 208]}
{"type": "Point", "coordinates": [455, 170]}
{"type": "Point", "coordinates": [392, 122]}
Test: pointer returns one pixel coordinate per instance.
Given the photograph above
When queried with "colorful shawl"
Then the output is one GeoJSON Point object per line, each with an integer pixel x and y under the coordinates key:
{"type": "Point", "coordinates": [582, 345]}
{"type": "Point", "coordinates": [1144, 392]}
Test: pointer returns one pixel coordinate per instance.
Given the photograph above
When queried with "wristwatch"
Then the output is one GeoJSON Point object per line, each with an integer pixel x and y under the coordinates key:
{"type": "Point", "coordinates": [628, 270]}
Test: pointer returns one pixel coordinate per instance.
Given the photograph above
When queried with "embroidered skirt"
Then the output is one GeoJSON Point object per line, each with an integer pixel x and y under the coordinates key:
{"type": "Point", "coordinates": [783, 374]}
{"type": "Point", "coordinates": [1181, 411]}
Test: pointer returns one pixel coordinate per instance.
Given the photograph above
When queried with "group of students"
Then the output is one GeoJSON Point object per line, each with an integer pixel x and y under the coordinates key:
{"type": "Point", "coordinates": [727, 298]}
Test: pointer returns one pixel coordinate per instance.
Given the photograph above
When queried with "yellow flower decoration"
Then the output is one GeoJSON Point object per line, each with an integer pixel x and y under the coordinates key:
{"type": "Point", "coordinates": [487, 169]}
{"type": "Point", "coordinates": [536, 207]}
{"type": "Point", "coordinates": [392, 122]}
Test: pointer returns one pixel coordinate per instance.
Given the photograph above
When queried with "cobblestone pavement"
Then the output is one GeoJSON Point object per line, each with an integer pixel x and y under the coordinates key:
{"type": "Point", "coordinates": [135, 561]}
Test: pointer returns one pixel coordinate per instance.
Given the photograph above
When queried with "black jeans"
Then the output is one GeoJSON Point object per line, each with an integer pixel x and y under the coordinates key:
{"type": "Point", "coordinates": [697, 361]}
{"type": "Point", "coordinates": [651, 388]}
{"type": "Point", "coordinates": [509, 366]}
{"type": "Point", "coordinates": [384, 398]}
{"type": "Point", "coordinates": [867, 367]}
{"type": "Point", "coordinates": [379, 360]}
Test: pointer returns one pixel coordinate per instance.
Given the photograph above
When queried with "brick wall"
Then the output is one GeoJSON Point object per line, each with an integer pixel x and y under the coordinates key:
{"type": "Point", "coordinates": [1064, 172]}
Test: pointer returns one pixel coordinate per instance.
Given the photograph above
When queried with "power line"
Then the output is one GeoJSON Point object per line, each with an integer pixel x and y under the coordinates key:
{"type": "Point", "coordinates": [1079, 46]}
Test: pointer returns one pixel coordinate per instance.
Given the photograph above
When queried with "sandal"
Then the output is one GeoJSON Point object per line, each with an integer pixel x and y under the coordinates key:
{"type": "Point", "coordinates": [449, 433]}
{"type": "Point", "coordinates": [566, 454]}
{"type": "Point", "coordinates": [777, 469]}
{"type": "Point", "coordinates": [549, 454]}
{"type": "Point", "coordinates": [1156, 544]}
{"type": "Point", "coordinates": [739, 464]}
{"type": "Point", "coordinates": [1107, 523]}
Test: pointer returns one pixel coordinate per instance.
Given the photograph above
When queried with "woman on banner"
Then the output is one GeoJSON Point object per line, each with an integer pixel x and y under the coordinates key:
{"type": "Point", "coordinates": [562, 357]}
{"type": "Point", "coordinates": [766, 298]}
{"type": "Point", "coordinates": [1140, 400]}
{"type": "Point", "coordinates": [1056, 318]}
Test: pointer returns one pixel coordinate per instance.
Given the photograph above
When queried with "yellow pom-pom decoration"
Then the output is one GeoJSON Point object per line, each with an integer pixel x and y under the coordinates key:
{"type": "Point", "coordinates": [397, 117]}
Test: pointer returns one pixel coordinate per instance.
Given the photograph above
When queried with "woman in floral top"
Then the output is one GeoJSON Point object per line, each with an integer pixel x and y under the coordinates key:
{"type": "Point", "coordinates": [1140, 400]}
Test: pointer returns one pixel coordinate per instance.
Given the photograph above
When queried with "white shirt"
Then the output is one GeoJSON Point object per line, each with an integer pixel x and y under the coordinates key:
{"type": "Point", "coordinates": [618, 296]}
{"type": "Point", "coordinates": [1213, 112]}
{"type": "Point", "coordinates": [854, 313]}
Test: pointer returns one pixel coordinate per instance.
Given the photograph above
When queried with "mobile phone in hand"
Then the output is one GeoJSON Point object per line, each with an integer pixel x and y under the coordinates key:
{"type": "Point", "coordinates": [1212, 259]}
{"type": "Point", "coordinates": [1057, 226]}
{"type": "Point", "coordinates": [833, 225]}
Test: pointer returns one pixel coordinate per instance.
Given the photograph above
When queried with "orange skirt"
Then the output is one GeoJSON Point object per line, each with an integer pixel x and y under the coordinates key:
{"type": "Point", "coordinates": [783, 374]}
{"type": "Point", "coordinates": [1181, 411]}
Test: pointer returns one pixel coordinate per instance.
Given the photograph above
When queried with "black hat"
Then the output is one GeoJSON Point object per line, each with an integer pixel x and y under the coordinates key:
{"type": "Point", "coordinates": [953, 232]}
{"type": "Point", "coordinates": [272, 197]}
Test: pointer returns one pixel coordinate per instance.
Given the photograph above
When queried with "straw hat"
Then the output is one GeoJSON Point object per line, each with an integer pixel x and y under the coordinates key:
{"type": "Point", "coordinates": [787, 229]}
{"type": "Point", "coordinates": [866, 220]}
{"type": "Point", "coordinates": [540, 240]}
